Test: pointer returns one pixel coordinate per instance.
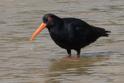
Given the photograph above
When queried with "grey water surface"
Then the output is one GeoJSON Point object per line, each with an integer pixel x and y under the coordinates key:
{"type": "Point", "coordinates": [42, 61]}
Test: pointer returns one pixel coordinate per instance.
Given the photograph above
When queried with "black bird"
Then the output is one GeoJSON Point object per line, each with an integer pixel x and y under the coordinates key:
{"type": "Point", "coordinates": [70, 33]}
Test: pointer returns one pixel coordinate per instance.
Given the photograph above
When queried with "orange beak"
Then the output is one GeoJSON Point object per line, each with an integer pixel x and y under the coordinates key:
{"type": "Point", "coordinates": [39, 29]}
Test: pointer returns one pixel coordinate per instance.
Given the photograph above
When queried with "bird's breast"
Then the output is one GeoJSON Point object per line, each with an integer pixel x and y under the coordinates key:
{"type": "Point", "coordinates": [60, 38]}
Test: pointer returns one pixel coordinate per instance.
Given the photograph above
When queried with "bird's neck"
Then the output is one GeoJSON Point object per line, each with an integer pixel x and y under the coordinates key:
{"type": "Point", "coordinates": [57, 25]}
{"type": "Point", "coordinates": [57, 29]}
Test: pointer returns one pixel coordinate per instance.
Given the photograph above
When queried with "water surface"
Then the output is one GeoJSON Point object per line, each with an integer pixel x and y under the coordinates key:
{"type": "Point", "coordinates": [42, 61]}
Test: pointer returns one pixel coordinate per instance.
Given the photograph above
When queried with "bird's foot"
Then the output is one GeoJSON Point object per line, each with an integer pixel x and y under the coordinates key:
{"type": "Point", "coordinates": [78, 56]}
{"type": "Point", "coordinates": [71, 58]}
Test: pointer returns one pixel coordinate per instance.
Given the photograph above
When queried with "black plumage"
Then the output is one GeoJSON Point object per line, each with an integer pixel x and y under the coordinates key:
{"type": "Point", "coordinates": [72, 33]}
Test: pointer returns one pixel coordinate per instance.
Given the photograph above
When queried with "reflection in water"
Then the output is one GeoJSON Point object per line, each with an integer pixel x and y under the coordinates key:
{"type": "Point", "coordinates": [70, 67]}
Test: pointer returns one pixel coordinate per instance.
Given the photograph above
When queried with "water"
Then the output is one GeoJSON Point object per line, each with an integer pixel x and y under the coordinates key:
{"type": "Point", "coordinates": [22, 61]}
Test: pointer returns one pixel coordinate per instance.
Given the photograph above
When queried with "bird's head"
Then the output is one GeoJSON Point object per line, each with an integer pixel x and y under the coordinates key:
{"type": "Point", "coordinates": [49, 20]}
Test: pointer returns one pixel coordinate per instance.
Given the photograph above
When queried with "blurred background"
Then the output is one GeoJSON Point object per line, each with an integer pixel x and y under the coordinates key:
{"type": "Point", "coordinates": [41, 61]}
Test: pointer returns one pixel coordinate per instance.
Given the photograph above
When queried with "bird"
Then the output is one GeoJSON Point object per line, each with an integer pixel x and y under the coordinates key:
{"type": "Point", "coordinates": [70, 33]}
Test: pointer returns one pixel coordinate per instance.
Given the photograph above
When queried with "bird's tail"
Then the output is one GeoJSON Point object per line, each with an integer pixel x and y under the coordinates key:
{"type": "Point", "coordinates": [106, 33]}
{"type": "Point", "coordinates": [102, 31]}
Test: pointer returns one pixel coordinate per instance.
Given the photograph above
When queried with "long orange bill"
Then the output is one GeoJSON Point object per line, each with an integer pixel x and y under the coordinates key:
{"type": "Point", "coordinates": [39, 29]}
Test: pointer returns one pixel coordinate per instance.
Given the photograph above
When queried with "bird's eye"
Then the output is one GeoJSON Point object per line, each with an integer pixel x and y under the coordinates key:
{"type": "Point", "coordinates": [45, 20]}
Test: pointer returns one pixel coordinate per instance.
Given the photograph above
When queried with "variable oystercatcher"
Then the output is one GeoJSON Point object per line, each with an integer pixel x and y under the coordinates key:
{"type": "Point", "coordinates": [70, 33]}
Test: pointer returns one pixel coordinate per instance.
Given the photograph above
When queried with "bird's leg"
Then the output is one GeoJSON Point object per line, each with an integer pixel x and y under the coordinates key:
{"type": "Point", "coordinates": [78, 53]}
{"type": "Point", "coordinates": [69, 52]}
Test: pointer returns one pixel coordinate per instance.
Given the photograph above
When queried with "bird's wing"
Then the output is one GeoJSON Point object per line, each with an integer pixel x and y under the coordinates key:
{"type": "Point", "coordinates": [80, 28]}
{"type": "Point", "coordinates": [77, 29]}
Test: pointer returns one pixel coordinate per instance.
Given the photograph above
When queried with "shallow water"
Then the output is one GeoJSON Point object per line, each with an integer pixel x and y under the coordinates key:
{"type": "Point", "coordinates": [42, 61]}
